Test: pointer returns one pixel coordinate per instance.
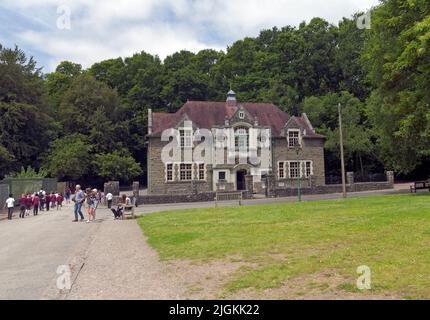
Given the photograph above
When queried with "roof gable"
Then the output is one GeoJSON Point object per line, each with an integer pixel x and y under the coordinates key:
{"type": "Point", "coordinates": [207, 114]}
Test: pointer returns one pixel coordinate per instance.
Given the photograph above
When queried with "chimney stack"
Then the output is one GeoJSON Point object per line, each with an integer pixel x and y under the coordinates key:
{"type": "Point", "coordinates": [149, 121]}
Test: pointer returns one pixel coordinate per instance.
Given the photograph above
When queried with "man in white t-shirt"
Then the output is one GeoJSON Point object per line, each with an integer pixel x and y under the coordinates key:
{"type": "Point", "coordinates": [10, 204]}
{"type": "Point", "coordinates": [109, 198]}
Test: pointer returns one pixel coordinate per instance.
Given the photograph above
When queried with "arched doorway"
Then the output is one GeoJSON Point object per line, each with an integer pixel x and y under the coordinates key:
{"type": "Point", "coordinates": [240, 180]}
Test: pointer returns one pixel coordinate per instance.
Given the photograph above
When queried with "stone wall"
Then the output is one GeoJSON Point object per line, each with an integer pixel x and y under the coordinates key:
{"type": "Point", "coordinates": [272, 190]}
{"type": "Point", "coordinates": [177, 198]}
{"type": "Point", "coordinates": [337, 188]}
{"type": "Point", "coordinates": [156, 174]}
{"type": "Point", "coordinates": [4, 194]}
{"type": "Point", "coordinates": [312, 149]}
{"type": "Point", "coordinates": [112, 187]}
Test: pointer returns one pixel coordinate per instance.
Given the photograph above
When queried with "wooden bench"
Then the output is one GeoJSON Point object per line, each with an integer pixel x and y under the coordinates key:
{"type": "Point", "coordinates": [129, 210]}
{"type": "Point", "coordinates": [420, 185]}
{"type": "Point", "coordinates": [228, 196]}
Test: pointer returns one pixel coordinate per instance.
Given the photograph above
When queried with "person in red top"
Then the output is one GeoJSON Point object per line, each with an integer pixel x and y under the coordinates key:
{"type": "Point", "coordinates": [28, 203]}
{"type": "Point", "coordinates": [22, 206]}
{"type": "Point", "coordinates": [60, 200]}
{"type": "Point", "coordinates": [35, 203]}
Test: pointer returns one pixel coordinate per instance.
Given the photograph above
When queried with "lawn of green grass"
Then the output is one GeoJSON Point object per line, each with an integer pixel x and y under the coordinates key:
{"type": "Point", "coordinates": [390, 234]}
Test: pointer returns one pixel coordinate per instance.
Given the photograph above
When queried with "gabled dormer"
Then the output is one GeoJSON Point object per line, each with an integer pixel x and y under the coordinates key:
{"type": "Point", "coordinates": [294, 132]}
{"type": "Point", "coordinates": [242, 116]}
{"type": "Point", "coordinates": [186, 130]}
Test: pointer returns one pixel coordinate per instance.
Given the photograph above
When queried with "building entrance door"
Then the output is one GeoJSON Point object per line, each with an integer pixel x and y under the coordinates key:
{"type": "Point", "coordinates": [240, 180]}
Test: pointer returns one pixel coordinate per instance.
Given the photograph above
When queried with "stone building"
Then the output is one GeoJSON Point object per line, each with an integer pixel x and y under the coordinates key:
{"type": "Point", "coordinates": [250, 142]}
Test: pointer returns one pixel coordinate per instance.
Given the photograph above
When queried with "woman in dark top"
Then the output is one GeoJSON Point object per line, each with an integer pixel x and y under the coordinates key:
{"type": "Point", "coordinates": [47, 201]}
{"type": "Point", "coordinates": [118, 211]}
{"type": "Point", "coordinates": [22, 206]}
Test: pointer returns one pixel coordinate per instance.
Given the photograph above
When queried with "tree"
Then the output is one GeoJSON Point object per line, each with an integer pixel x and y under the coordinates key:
{"type": "Point", "coordinates": [58, 82]}
{"type": "Point", "coordinates": [110, 72]}
{"type": "Point", "coordinates": [319, 72]}
{"type": "Point", "coordinates": [350, 46]}
{"type": "Point", "coordinates": [6, 161]}
{"type": "Point", "coordinates": [29, 173]}
{"type": "Point", "coordinates": [85, 96]}
{"type": "Point", "coordinates": [323, 113]}
{"type": "Point", "coordinates": [398, 65]}
{"type": "Point", "coordinates": [26, 126]}
{"type": "Point", "coordinates": [118, 165]}
{"type": "Point", "coordinates": [69, 157]}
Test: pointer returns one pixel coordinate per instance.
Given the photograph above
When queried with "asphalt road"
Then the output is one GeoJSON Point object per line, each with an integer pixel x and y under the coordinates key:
{"type": "Point", "coordinates": [32, 249]}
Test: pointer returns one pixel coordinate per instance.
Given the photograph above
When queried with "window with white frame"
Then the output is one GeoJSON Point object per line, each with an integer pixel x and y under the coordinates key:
{"type": "Point", "coordinates": [202, 171]}
{"type": "Point", "coordinates": [241, 138]}
{"type": "Point", "coordinates": [169, 172]}
{"type": "Point", "coordinates": [241, 115]}
{"type": "Point", "coordinates": [186, 171]}
{"type": "Point", "coordinates": [293, 138]}
{"type": "Point", "coordinates": [308, 169]}
{"type": "Point", "coordinates": [294, 169]}
{"type": "Point", "coordinates": [186, 138]}
{"type": "Point", "coordinates": [281, 170]}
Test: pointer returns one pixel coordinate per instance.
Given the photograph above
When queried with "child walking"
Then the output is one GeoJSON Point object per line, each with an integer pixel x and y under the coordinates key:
{"type": "Point", "coordinates": [10, 204]}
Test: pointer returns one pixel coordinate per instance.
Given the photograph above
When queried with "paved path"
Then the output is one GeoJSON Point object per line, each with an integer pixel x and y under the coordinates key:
{"type": "Point", "coordinates": [32, 249]}
{"type": "Point", "coordinates": [120, 264]}
{"type": "Point", "coordinates": [108, 259]}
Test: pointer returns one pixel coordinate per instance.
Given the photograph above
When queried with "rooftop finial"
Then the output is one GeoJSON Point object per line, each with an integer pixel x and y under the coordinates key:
{"type": "Point", "coordinates": [231, 96]}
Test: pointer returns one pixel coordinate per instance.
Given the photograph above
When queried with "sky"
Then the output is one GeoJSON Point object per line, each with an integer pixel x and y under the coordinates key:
{"type": "Point", "coordinates": [89, 31]}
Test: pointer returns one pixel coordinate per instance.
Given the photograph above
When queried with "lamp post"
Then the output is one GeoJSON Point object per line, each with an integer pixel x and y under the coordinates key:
{"type": "Point", "coordinates": [342, 157]}
{"type": "Point", "coordinates": [299, 182]}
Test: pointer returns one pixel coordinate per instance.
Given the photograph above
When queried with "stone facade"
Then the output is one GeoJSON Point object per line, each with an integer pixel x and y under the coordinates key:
{"type": "Point", "coordinates": [248, 124]}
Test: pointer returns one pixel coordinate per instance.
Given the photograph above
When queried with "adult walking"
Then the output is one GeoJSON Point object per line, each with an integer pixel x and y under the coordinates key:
{"type": "Point", "coordinates": [47, 201]}
{"type": "Point", "coordinates": [22, 206]}
{"type": "Point", "coordinates": [35, 203]}
{"type": "Point", "coordinates": [41, 199]}
{"type": "Point", "coordinates": [78, 199]}
{"type": "Point", "coordinates": [109, 198]}
{"type": "Point", "coordinates": [68, 194]}
{"type": "Point", "coordinates": [10, 204]}
{"type": "Point", "coordinates": [90, 198]}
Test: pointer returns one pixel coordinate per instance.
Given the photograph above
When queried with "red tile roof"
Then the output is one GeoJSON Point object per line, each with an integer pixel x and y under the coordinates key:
{"type": "Point", "coordinates": [207, 115]}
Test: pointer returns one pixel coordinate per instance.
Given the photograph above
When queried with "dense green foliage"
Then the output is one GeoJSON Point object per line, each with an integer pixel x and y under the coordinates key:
{"type": "Point", "coordinates": [380, 76]}
{"type": "Point", "coordinates": [116, 164]}
{"type": "Point", "coordinates": [29, 173]}
{"type": "Point", "coordinates": [398, 59]}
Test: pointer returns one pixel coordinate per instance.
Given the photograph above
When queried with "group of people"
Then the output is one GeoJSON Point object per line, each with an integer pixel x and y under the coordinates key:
{"type": "Point", "coordinates": [39, 201]}
{"type": "Point", "coordinates": [35, 202]}
{"type": "Point", "coordinates": [90, 199]}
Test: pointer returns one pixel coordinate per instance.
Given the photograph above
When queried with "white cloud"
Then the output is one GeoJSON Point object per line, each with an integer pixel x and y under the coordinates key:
{"type": "Point", "coordinates": [104, 29]}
